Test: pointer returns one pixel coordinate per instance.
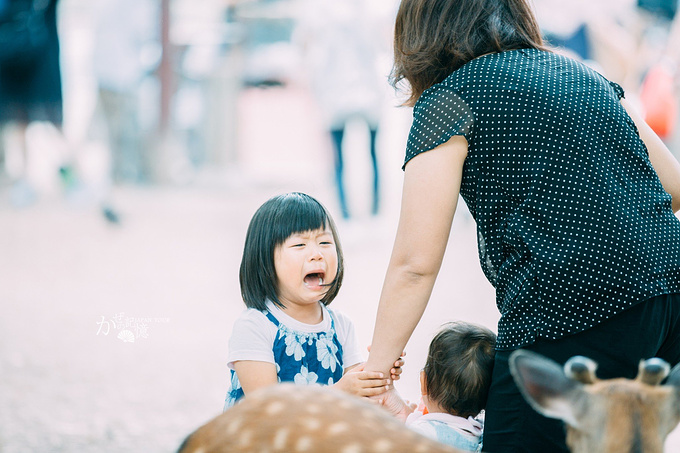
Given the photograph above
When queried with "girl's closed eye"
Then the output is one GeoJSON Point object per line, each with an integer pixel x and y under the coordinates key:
{"type": "Point", "coordinates": [295, 241]}
{"type": "Point", "coordinates": [326, 238]}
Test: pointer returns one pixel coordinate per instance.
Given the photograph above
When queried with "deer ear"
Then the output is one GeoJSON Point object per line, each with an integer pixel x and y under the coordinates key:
{"type": "Point", "coordinates": [674, 377]}
{"type": "Point", "coordinates": [546, 388]}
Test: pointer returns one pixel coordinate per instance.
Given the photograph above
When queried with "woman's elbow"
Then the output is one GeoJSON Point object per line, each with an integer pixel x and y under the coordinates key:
{"type": "Point", "coordinates": [415, 273]}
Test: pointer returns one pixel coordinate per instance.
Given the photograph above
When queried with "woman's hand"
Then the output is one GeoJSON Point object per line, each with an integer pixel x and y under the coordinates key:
{"type": "Point", "coordinates": [396, 405]}
{"type": "Point", "coordinates": [395, 372]}
{"type": "Point", "coordinates": [358, 382]}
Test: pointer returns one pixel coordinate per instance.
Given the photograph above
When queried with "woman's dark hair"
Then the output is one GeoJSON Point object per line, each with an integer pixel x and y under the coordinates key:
{"type": "Point", "coordinates": [274, 222]}
{"type": "Point", "coordinates": [459, 366]}
{"type": "Point", "coordinates": [433, 38]}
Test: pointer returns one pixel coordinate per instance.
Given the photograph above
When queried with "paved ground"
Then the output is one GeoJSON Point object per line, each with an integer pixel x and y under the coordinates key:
{"type": "Point", "coordinates": [168, 276]}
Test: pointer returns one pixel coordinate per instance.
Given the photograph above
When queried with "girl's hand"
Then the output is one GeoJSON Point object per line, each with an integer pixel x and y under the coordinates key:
{"type": "Point", "coordinates": [363, 383]}
{"type": "Point", "coordinates": [396, 370]}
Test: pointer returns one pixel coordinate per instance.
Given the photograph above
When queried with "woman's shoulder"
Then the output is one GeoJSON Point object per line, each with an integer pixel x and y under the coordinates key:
{"type": "Point", "coordinates": [503, 73]}
{"type": "Point", "coordinates": [477, 76]}
{"type": "Point", "coordinates": [489, 66]}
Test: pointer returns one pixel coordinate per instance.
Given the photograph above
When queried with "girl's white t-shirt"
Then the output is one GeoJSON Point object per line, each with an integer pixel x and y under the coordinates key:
{"type": "Point", "coordinates": [253, 335]}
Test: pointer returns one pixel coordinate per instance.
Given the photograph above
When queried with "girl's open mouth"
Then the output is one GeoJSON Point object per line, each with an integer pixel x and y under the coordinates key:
{"type": "Point", "coordinates": [314, 279]}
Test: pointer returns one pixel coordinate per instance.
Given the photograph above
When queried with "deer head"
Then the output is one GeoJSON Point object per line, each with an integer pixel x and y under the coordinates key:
{"type": "Point", "coordinates": [606, 416]}
{"type": "Point", "coordinates": [296, 418]}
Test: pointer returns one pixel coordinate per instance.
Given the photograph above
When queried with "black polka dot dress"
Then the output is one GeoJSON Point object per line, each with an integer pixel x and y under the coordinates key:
{"type": "Point", "coordinates": [573, 224]}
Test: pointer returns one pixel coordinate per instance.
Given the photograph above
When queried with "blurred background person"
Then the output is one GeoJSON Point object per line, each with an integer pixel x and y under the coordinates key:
{"type": "Point", "coordinates": [657, 57]}
{"type": "Point", "coordinates": [126, 51]}
{"type": "Point", "coordinates": [635, 42]}
{"type": "Point", "coordinates": [654, 31]}
{"type": "Point", "coordinates": [30, 79]}
{"type": "Point", "coordinates": [341, 43]}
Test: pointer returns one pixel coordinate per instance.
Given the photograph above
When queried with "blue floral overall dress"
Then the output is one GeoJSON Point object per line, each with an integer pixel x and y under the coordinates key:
{"type": "Point", "coordinates": [300, 357]}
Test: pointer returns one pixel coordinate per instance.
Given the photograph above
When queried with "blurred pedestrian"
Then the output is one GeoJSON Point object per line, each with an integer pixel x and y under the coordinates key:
{"type": "Point", "coordinates": [30, 76]}
{"type": "Point", "coordinates": [342, 44]}
{"type": "Point", "coordinates": [657, 61]}
{"type": "Point", "coordinates": [126, 51]}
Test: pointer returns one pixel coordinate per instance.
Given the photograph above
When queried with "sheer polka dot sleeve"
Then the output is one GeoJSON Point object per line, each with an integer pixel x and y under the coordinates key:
{"type": "Point", "coordinates": [439, 114]}
{"type": "Point", "coordinates": [618, 90]}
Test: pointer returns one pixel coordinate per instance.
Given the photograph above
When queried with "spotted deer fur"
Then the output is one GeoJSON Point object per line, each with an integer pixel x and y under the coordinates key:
{"type": "Point", "coordinates": [603, 416]}
{"type": "Point", "coordinates": [314, 419]}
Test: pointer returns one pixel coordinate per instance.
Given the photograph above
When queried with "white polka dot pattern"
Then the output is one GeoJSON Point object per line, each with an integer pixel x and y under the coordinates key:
{"type": "Point", "coordinates": [573, 223]}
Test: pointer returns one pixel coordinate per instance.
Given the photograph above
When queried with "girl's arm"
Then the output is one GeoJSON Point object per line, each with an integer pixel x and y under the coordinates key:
{"type": "Point", "coordinates": [254, 375]}
{"type": "Point", "coordinates": [250, 350]}
{"type": "Point", "coordinates": [665, 164]}
{"type": "Point", "coordinates": [430, 194]}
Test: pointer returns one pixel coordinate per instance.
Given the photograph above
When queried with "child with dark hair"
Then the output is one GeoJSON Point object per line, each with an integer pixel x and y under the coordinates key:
{"type": "Point", "coordinates": [455, 384]}
{"type": "Point", "coordinates": [292, 268]}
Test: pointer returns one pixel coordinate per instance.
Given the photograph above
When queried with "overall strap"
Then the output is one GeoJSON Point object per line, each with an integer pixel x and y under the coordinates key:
{"type": "Point", "coordinates": [336, 341]}
{"type": "Point", "coordinates": [272, 318]}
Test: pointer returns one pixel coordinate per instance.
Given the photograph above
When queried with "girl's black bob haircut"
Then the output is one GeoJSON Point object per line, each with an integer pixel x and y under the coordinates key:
{"type": "Point", "coordinates": [274, 222]}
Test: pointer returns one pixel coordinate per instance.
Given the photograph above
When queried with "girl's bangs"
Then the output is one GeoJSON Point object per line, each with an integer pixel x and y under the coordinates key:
{"type": "Point", "coordinates": [299, 216]}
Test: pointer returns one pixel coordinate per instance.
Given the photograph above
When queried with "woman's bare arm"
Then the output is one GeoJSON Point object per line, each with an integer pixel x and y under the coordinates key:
{"type": "Point", "coordinates": [663, 161]}
{"type": "Point", "coordinates": [430, 194]}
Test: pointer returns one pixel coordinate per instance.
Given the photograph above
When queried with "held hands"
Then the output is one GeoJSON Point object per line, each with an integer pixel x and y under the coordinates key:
{"type": "Point", "coordinates": [396, 370]}
{"type": "Point", "coordinates": [391, 399]}
{"type": "Point", "coordinates": [363, 383]}
{"type": "Point", "coordinates": [369, 383]}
